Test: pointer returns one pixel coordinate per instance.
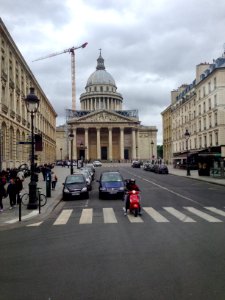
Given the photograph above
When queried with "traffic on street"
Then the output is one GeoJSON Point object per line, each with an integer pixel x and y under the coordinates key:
{"type": "Point", "coordinates": [87, 248]}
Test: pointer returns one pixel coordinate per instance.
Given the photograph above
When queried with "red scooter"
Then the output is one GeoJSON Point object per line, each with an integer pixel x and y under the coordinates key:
{"type": "Point", "coordinates": [135, 207]}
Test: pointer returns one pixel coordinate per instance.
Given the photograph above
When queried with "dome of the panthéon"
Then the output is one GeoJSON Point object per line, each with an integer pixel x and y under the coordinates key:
{"type": "Point", "coordinates": [100, 76]}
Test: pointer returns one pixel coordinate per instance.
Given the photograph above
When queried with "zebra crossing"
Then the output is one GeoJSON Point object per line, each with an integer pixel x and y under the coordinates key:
{"type": "Point", "coordinates": [164, 215]}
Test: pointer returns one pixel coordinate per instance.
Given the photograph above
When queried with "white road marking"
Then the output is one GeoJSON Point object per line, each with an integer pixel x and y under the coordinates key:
{"type": "Point", "coordinates": [86, 216]}
{"type": "Point", "coordinates": [28, 216]}
{"type": "Point", "coordinates": [134, 219]}
{"type": "Point", "coordinates": [179, 215]}
{"type": "Point", "coordinates": [63, 217]}
{"type": "Point", "coordinates": [216, 210]}
{"type": "Point", "coordinates": [203, 215]}
{"type": "Point", "coordinates": [109, 215]}
{"type": "Point", "coordinates": [35, 224]}
{"type": "Point", "coordinates": [168, 190]}
{"type": "Point", "coordinates": [155, 215]}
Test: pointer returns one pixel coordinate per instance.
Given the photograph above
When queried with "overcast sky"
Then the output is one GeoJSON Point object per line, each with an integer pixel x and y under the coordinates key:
{"type": "Point", "coordinates": [150, 47]}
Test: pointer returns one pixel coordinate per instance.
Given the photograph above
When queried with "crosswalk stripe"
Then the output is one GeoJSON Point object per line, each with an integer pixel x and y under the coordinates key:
{"type": "Point", "coordinates": [134, 219]}
{"type": "Point", "coordinates": [35, 224]}
{"type": "Point", "coordinates": [63, 217]}
{"type": "Point", "coordinates": [109, 215]}
{"type": "Point", "coordinates": [180, 216]}
{"type": "Point", "coordinates": [216, 210]}
{"type": "Point", "coordinates": [86, 216]}
{"type": "Point", "coordinates": [155, 215]}
{"type": "Point", "coordinates": [203, 215]}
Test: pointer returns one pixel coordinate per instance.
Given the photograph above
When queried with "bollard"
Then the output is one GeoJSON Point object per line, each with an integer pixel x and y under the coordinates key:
{"type": "Point", "coordinates": [20, 208]}
{"type": "Point", "coordinates": [48, 183]}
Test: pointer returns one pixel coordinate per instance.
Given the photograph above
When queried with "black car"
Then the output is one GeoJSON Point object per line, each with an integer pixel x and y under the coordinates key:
{"type": "Point", "coordinates": [111, 184]}
{"type": "Point", "coordinates": [75, 186]}
{"type": "Point", "coordinates": [136, 164]}
{"type": "Point", "coordinates": [161, 169]}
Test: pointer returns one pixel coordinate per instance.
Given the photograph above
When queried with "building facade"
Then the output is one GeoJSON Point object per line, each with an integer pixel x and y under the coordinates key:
{"type": "Point", "coordinates": [200, 108]}
{"type": "Point", "coordinates": [15, 121]}
{"type": "Point", "coordinates": [102, 129]}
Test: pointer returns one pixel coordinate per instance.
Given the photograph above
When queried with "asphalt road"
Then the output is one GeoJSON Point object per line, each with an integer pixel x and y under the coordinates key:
{"type": "Point", "coordinates": [174, 251]}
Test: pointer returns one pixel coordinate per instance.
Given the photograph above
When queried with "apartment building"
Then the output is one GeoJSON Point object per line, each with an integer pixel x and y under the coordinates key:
{"type": "Point", "coordinates": [199, 107]}
{"type": "Point", "coordinates": [15, 121]}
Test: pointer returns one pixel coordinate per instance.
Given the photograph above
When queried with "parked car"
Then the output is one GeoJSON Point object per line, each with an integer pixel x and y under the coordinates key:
{"type": "Point", "coordinates": [97, 163]}
{"type": "Point", "coordinates": [148, 166]}
{"type": "Point", "coordinates": [111, 184]}
{"type": "Point", "coordinates": [161, 169]}
{"type": "Point", "coordinates": [88, 177]}
{"type": "Point", "coordinates": [75, 185]}
{"type": "Point", "coordinates": [136, 164]}
{"type": "Point", "coordinates": [91, 169]}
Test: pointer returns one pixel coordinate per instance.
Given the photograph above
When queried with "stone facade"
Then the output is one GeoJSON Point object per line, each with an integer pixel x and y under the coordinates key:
{"type": "Point", "coordinates": [15, 121]}
{"type": "Point", "coordinates": [199, 108]}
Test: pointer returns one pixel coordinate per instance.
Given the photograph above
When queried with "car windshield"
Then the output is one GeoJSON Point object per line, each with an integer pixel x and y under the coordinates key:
{"type": "Point", "coordinates": [75, 179]}
{"type": "Point", "coordinates": [111, 177]}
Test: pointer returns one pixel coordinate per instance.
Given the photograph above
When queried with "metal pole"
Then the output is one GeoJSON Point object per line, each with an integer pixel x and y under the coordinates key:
{"type": "Point", "coordinates": [71, 161]}
{"type": "Point", "coordinates": [188, 168]}
{"type": "Point", "coordinates": [32, 185]}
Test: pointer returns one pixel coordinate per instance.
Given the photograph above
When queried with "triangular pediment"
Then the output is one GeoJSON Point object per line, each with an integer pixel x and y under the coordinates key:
{"type": "Point", "coordinates": [104, 116]}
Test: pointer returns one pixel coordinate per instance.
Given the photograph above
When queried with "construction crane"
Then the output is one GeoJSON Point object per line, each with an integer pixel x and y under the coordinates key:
{"type": "Point", "coordinates": [72, 52]}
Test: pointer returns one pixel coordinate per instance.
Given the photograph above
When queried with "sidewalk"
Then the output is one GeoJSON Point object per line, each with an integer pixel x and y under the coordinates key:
{"type": "Point", "coordinates": [10, 218]}
{"type": "Point", "coordinates": [194, 175]}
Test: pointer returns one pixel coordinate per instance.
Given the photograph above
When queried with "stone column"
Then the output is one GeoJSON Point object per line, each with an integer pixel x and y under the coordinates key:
{"type": "Point", "coordinates": [98, 144]}
{"type": "Point", "coordinates": [122, 143]}
{"type": "Point", "coordinates": [137, 145]}
{"type": "Point", "coordinates": [133, 144]}
{"type": "Point", "coordinates": [110, 143]}
{"type": "Point", "coordinates": [75, 144]}
{"type": "Point", "coordinates": [86, 144]}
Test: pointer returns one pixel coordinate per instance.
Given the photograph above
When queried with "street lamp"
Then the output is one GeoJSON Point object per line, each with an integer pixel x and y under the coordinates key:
{"type": "Point", "coordinates": [152, 144]}
{"type": "Point", "coordinates": [61, 153]}
{"type": "Point", "coordinates": [32, 104]}
{"type": "Point", "coordinates": [187, 136]}
{"type": "Point", "coordinates": [71, 136]}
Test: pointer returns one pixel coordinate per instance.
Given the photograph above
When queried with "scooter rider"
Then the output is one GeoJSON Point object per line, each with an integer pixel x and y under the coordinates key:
{"type": "Point", "coordinates": [130, 186]}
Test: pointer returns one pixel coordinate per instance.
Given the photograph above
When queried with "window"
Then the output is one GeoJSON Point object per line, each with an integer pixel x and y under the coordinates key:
{"type": "Point", "coordinates": [209, 101]}
{"type": "Point", "coordinates": [199, 125]}
{"type": "Point", "coordinates": [214, 83]}
{"type": "Point", "coordinates": [215, 119]}
{"type": "Point", "coordinates": [215, 101]}
{"type": "Point", "coordinates": [209, 87]}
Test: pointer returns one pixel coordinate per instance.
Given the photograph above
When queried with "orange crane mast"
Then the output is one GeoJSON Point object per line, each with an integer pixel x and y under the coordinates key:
{"type": "Point", "coordinates": [72, 52]}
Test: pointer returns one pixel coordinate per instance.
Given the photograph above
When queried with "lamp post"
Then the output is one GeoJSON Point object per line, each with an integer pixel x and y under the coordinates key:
{"type": "Point", "coordinates": [61, 153]}
{"type": "Point", "coordinates": [187, 136]}
{"type": "Point", "coordinates": [152, 144]}
{"type": "Point", "coordinates": [71, 136]}
{"type": "Point", "coordinates": [32, 104]}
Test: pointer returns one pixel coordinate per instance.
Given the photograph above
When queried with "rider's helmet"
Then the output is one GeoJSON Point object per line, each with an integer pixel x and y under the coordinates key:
{"type": "Point", "coordinates": [132, 181]}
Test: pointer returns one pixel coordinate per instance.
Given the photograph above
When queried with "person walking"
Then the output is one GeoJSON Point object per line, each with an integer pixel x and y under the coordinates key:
{"type": "Point", "coordinates": [2, 194]}
{"type": "Point", "coordinates": [54, 180]}
{"type": "Point", "coordinates": [12, 192]}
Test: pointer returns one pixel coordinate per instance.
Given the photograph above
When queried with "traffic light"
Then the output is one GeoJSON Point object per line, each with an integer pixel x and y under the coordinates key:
{"type": "Point", "coordinates": [38, 142]}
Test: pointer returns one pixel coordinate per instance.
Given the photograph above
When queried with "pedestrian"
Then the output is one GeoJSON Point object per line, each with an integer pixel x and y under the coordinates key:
{"type": "Point", "coordinates": [12, 192]}
{"type": "Point", "coordinates": [3, 194]}
{"type": "Point", "coordinates": [19, 187]}
{"type": "Point", "coordinates": [54, 180]}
